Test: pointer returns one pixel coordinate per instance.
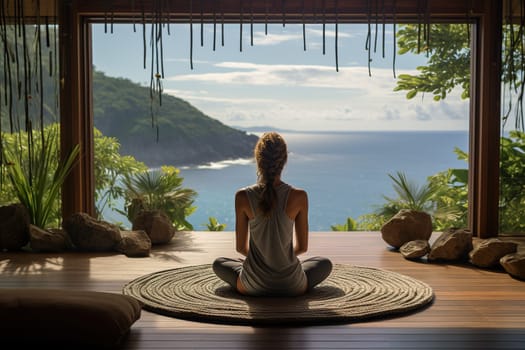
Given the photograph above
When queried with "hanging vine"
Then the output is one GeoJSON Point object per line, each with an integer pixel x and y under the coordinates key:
{"type": "Point", "coordinates": [28, 79]}
{"type": "Point", "coordinates": [513, 65]}
{"type": "Point", "coordinates": [336, 37]}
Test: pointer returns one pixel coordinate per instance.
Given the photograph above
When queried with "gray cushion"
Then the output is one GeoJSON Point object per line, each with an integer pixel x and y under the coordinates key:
{"type": "Point", "coordinates": [53, 316]}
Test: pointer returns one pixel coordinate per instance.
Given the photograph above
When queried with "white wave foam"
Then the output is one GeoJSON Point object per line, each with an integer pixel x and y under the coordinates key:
{"type": "Point", "coordinates": [226, 163]}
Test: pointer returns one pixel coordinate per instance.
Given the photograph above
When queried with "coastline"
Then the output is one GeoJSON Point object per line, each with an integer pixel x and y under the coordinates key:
{"type": "Point", "coordinates": [345, 173]}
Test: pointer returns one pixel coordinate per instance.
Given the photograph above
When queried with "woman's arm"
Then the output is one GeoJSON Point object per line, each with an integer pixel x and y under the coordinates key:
{"type": "Point", "coordinates": [300, 209]}
{"type": "Point", "coordinates": [242, 206]}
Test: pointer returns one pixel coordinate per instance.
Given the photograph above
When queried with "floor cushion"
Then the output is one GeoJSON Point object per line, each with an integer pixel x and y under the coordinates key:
{"type": "Point", "coordinates": [55, 316]}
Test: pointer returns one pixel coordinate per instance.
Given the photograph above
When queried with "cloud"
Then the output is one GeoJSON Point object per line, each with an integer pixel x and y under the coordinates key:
{"type": "Point", "coordinates": [452, 110]}
{"type": "Point", "coordinates": [328, 33]}
{"type": "Point", "coordinates": [315, 76]}
{"type": "Point", "coordinates": [205, 96]}
{"type": "Point", "coordinates": [273, 39]}
{"type": "Point", "coordinates": [391, 113]}
{"type": "Point", "coordinates": [422, 114]}
{"type": "Point", "coordinates": [316, 97]}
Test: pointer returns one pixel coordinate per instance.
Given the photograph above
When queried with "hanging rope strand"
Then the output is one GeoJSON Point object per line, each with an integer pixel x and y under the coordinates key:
{"type": "Point", "coordinates": [384, 29]}
{"type": "Point", "coordinates": [214, 25]}
{"type": "Point", "coordinates": [376, 24]}
{"type": "Point", "coordinates": [222, 23]}
{"type": "Point", "coordinates": [336, 38]}
{"type": "Point", "coordinates": [427, 28]}
{"type": "Point", "coordinates": [468, 6]}
{"type": "Point", "coordinates": [17, 61]}
{"type": "Point", "coordinates": [265, 17]}
{"type": "Point", "coordinates": [240, 27]}
{"type": "Point", "coordinates": [368, 43]}
{"type": "Point", "coordinates": [394, 23]}
{"type": "Point", "coordinates": [251, 22]}
{"type": "Point", "coordinates": [191, 34]}
{"type": "Point", "coordinates": [144, 45]}
{"type": "Point", "coordinates": [284, 12]}
{"type": "Point", "coordinates": [418, 26]}
{"type": "Point", "coordinates": [40, 69]}
{"type": "Point", "coordinates": [202, 24]}
{"type": "Point", "coordinates": [519, 122]}
{"type": "Point", "coordinates": [324, 27]}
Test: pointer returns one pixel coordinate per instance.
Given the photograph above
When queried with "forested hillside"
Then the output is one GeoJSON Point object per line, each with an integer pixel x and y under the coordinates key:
{"type": "Point", "coordinates": [122, 109]}
{"type": "Point", "coordinates": [186, 135]}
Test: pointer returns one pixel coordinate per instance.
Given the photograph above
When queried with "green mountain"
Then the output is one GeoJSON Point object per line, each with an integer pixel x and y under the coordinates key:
{"type": "Point", "coordinates": [186, 136]}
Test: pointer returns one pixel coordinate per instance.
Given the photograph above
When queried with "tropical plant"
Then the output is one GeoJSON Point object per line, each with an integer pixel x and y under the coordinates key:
{"type": "Point", "coordinates": [350, 225]}
{"type": "Point", "coordinates": [159, 189]}
{"type": "Point", "coordinates": [371, 222]}
{"type": "Point", "coordinates": [451, 200]}
{"type": "Point", "coordinates": [448, 63]}
{"type": "Point", "coordinates": [214, 225]}
{"type": "Point", "coordinates": [428, 198]}
{"type": "Point", "coordinates": [109, 167]}
{"type": "Point", "coordinates": [449, 203]}
{"type": "Point", "coordinates": [512, 184]}
{"type": "Point", "coordinates": [454, 185]}
{"type": "Point", "coordinates": [409, 196]}
{"type": "Point", "coordinates": [36, 173]}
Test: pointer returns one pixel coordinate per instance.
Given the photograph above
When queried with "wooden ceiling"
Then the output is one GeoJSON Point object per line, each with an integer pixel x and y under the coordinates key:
{"type": "Point", "coordinates": [297, 11]}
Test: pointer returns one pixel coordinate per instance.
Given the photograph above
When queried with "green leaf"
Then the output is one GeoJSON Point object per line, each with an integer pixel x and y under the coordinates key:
{"type": "Point", "coordinates": [411, 94]}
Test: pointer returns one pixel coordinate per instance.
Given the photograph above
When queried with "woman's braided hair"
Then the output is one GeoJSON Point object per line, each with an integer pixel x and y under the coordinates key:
{"type": "Point", "coordinates": [271, 155]}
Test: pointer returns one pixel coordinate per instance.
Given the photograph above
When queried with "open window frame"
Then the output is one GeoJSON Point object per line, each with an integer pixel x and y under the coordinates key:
{"type": "Point", "coordinates": [76, 102]}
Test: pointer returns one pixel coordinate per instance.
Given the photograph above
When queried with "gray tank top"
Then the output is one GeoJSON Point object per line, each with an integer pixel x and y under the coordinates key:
{"type": "Point", "coordinates": [271, 267]}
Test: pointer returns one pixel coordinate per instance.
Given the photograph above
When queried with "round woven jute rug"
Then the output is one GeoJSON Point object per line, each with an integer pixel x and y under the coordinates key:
{"type": "Point", "coordinates": [349, 294]}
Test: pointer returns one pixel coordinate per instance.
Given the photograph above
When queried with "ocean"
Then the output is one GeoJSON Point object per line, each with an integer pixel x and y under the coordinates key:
{"type": "Point", "coordinates": [344, 173]}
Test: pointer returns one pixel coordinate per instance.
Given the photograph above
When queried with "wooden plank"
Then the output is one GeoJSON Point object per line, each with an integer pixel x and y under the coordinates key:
{"type": "Point", "coordinates": [473, 308]}
{"type": "Point", "coordinates": [290, 10]}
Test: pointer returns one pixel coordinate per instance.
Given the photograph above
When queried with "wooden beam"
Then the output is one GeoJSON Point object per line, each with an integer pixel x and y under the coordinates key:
{"type": "Point", "coordinates": [485, 123]}
{"type": "Point", "coordinates": [76, 126]}
{"type": "Point", "coordinates": [288, 10]}
{"type": "Point", "coordinates": [31, 9]}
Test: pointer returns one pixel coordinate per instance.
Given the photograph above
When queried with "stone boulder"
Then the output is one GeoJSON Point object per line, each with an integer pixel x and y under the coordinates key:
{"type": "Point", "coordinates": [407, 225]}
{"type": "Point", "coordinates": [52, 240]}
{"type": "Point", "coordinates": [453, 245]}
{"type": "Point", "coordinates": [488, 252]}
{"type": "Point", "coordinates": [156, 224]}
{"type": "Point", "coordinates": [134, 243]}
{"type": "Point", "coordinates": [514, 264]}
{"type": "Point", "coordinates": [415, 249]}
{"type": "Point", "coordinates": [90, 234]}
{"type": "Point", "coordinates": [14, 228]}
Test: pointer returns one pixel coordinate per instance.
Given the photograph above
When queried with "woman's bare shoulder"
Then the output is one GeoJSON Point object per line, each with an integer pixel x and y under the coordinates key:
{"type": "Point", "coordinates": [241, 194]}
{"type": "Point", "coordinates": [297, 195]}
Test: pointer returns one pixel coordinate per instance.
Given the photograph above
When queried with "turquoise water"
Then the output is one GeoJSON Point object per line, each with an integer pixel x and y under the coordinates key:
{"type": "Point", "coordinates": [345, 174]}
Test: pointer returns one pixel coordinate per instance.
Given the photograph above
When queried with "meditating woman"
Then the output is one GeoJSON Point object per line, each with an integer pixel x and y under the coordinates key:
{"type": "Point", "coordinates": [266, 214]}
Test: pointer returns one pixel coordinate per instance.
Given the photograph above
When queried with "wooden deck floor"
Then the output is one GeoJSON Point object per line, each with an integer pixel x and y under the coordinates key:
{"type": "Point", "coordinates": [473, 308]}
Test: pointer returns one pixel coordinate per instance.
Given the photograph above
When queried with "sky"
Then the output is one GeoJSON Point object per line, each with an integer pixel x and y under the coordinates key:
{"type": "Point", "coordinates": [276, 83]}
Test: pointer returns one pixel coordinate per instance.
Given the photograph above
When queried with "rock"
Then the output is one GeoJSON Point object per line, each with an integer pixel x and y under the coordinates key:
{"type": "Point", "coordinates": [489, 251]}
{"type": "Point", "coordinates": [90, 234]}
{"type": "Point", "coordinates": [134, 243]}
{"type": "Point", "coordinates": [156, 224]}
{"type": "Point", "coordinates": [14, 228]}
{"type": "Point", "coordinates": [514, 264]}
{"type": "Point", "coordinates": [415, 249]}
{"type": "Point", "coordinates": [52, 240]}
{"type": "Point", "coordinates": [407, 225]}
{"type": "Point", "coordinates": [453, 244]}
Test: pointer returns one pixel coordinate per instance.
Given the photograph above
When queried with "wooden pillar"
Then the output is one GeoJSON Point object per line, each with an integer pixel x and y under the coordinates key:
{"type": "Point", "coordinates": [76, 122]}
{"type": "Point", "coordinates": [485, 123]}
